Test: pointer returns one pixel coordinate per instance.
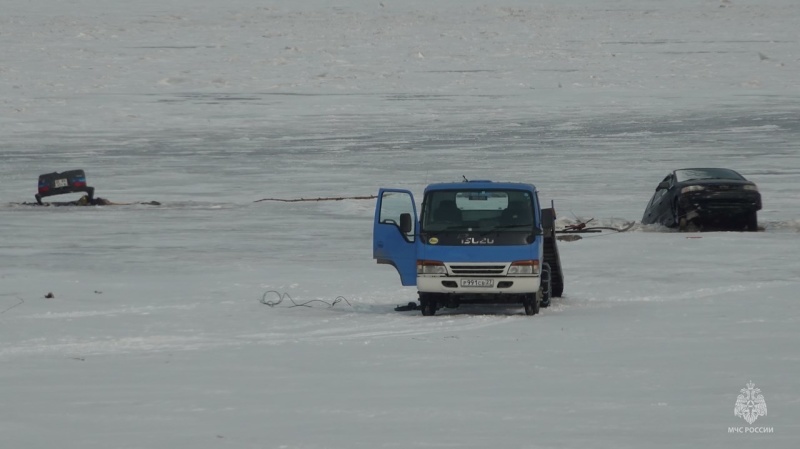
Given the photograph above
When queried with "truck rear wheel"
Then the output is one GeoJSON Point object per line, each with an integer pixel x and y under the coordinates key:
{"type": "Point", "coordinates": [546, 286]}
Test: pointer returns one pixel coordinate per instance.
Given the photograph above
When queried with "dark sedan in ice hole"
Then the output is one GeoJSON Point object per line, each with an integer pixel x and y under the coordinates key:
{"type": "Point", "coordinates": [705, 199]}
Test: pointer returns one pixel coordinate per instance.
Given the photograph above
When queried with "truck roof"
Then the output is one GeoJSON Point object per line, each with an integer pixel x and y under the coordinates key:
{"type": "Point", "coordinates": [480, 184]}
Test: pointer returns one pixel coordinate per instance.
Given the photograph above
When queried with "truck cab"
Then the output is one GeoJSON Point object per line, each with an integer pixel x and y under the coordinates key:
{"type": "Point", "coordinates": [478, 242]}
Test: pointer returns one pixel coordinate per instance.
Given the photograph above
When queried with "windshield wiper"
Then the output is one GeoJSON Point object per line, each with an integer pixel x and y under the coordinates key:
{"type": "Point", "coordinates": [449, 228]}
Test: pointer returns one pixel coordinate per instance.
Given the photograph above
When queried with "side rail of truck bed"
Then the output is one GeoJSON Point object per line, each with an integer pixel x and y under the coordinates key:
{"type": "Point", "coordinates": [551, 255]}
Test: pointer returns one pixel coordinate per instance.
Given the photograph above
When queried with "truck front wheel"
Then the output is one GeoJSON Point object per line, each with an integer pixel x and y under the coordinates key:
{"type": "Point", "coordinates": [428, 304]}
{"type": "Point", "coordinates": [428, 309]}
{"type": "Point", "coordinates": [531, 303]}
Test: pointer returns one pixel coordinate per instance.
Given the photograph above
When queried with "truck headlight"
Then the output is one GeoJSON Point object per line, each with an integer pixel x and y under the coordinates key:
{"type": "Point", "coordinates": [430, 267]}
{"type": "Point", "coordinates": [524, 268]}
{"type": "Point", "coordinates": [692, 189]}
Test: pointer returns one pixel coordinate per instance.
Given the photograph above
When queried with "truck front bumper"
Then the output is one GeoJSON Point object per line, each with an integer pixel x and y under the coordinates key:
{"type": "Point", "coordinates": [462, 285]}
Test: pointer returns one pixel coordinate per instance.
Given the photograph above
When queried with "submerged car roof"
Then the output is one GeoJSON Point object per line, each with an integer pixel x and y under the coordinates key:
{"type": "Point", "coordinates": [708, 168]}
{"type": "Point", "coordinates": [729, 173]}
{"type": "Point", "coordinates": [480, 184]}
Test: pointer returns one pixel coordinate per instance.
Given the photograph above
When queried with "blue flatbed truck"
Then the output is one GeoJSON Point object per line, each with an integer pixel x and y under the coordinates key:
{"type": "Point", "coordinates": [473, 242]}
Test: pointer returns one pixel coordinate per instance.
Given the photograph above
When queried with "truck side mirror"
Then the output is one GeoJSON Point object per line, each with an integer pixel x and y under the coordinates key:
{"type": "Point", "coordinates": [663, 185]}
{"type": "Point", "coordinates": [405, 223]}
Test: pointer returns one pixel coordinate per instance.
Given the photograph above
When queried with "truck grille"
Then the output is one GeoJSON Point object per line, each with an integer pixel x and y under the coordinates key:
{"type": "Point", "coordinates": [478, 269]}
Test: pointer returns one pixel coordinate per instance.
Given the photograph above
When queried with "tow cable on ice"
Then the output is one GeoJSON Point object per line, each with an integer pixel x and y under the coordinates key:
{"type": "Point", "coordinates": [280, 297]}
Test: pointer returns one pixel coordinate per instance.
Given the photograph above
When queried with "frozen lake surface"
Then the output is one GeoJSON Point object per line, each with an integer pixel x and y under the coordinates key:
{"type": "Point", "coordinates": [156, 336]}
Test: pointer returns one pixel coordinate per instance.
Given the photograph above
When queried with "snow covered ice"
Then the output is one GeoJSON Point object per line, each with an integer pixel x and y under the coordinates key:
{"type": "Point", "coordinates": [156, 337]}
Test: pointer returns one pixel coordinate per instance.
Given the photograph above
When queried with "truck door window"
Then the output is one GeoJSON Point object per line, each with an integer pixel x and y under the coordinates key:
{"type": "Point", "coordinates": [392, 205]}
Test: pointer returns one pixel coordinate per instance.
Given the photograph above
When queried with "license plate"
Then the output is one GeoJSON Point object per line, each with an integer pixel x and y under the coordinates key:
{"type": "Point", "coordinates": [477, 282]}
{"type": "Point", "coordinates": [61, 183]}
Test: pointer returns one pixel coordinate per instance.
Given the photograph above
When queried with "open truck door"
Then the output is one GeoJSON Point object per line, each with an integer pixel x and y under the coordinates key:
{"type": "Point", "coordinates": [394, 233]}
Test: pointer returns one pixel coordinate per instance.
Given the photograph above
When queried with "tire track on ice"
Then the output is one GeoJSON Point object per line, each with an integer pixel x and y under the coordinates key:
{"type": "Point", "coordinates": [347, 327]}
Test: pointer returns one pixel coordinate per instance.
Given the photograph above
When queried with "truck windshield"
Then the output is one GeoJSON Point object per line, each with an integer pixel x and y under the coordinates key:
{"type": "Point", "coordinates": [478, 211]}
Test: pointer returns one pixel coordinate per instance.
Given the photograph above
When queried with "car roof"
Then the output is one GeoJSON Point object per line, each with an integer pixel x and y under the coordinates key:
{"type": "Point", "coordinates": [707, 168]}
{"type": "Point", "coordinates": [480, 184]}
{"type": "Point", "coordinates": [714, 170]}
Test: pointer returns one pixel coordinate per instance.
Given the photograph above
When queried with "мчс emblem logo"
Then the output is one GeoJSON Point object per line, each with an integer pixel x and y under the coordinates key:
{"type": "Point", "coordinates": [750, 404]}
